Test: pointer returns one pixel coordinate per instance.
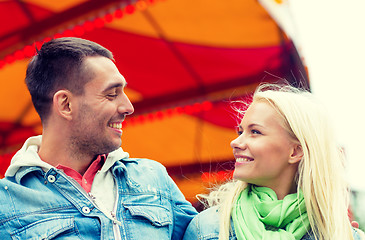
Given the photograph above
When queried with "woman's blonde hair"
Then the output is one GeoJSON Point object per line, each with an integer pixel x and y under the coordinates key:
{"type": "Point", "coordinates": [320, 175]}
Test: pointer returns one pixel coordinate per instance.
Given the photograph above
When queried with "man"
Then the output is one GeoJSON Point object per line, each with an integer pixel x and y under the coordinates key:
{"type": "Point", "coordinates": [74, 181]}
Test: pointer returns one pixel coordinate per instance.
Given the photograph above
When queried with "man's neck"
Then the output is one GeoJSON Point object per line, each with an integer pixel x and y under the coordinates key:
{"type": "Point", "coordinates": [60, 154]}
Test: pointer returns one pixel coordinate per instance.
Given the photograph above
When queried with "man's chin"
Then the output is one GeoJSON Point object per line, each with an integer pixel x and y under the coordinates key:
{"type": "Point", "coordinates": [111, 147]}
{"type": "Point", "coordinates": [117, 144]}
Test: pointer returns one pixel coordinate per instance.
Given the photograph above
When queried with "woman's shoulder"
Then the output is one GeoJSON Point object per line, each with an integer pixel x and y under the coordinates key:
{"type": "Point", "coordinates": [205, 226]}
{"type": "Point", "coordinates": [308, 236]}
{"type": "Point", "coordinates": [207, 221]}
{"type": "Point", "coordinates": [358, 234]}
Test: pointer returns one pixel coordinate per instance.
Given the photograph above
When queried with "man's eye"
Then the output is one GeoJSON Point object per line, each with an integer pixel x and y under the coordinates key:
{"type": "Point", "coordinates": [112, 95]}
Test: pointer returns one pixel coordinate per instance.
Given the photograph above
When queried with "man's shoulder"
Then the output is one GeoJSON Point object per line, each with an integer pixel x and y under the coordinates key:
{"type": "Point", "coordinates": [142, 170]}
{"type": "Point", "coordinates": [143, 162]}
{"type": "Point", "coordinates": [5, 182]}
{"type": "Point", "coordinates": [8, 187]}
{"type": "Point", "coordinates": [3, 187]}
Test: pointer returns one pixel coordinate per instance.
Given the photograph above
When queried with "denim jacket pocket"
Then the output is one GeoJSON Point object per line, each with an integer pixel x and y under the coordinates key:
{"type": "Point", "coordinates": [147, 221]}
{"type": "Point", "coordinates": [157, 215]}
{"type": "Point", "coordinates": [49, 228]}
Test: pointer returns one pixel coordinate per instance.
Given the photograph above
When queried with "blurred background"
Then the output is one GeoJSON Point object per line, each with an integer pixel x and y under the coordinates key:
{"type": "Point", "coordinates": [185, 62]}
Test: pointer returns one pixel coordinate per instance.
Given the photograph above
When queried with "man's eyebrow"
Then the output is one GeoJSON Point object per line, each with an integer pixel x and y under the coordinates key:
{"type": "Point", "coordinates": [115, 85]}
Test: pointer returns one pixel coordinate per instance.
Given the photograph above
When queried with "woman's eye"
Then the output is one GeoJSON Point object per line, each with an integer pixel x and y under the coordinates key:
{"type": "Point", "coordinates": [239, 130]}
{"type": "Point", "coordinates": [253, 131]}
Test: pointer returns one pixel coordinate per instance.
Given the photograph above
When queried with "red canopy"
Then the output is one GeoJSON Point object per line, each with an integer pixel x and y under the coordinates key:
{"type": "Point", "coordinates": [184, 61]}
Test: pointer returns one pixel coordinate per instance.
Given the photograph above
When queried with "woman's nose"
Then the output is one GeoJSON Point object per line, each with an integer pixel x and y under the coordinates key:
{"type": "Point", "coordinates": [238, 142]}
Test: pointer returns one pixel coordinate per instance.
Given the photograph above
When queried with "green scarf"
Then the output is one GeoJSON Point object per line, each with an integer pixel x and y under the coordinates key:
{"type": "Point", "coordinates": [259, 215]}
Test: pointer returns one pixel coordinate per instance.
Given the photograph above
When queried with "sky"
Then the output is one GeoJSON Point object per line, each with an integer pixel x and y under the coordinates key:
{"type": "Point", "coordinates": [331, 38]}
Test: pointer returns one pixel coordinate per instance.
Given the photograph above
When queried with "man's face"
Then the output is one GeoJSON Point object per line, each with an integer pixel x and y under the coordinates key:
{"type": "Point", "coordinates": [100, 111]}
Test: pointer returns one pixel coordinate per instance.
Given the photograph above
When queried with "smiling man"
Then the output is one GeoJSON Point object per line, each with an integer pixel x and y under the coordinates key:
{"type": "Point", "coordinates": [75, 181]}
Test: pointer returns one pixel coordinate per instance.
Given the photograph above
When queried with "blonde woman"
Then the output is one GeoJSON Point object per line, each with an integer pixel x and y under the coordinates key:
{"type": "Point", "coordinates": [288, 178]}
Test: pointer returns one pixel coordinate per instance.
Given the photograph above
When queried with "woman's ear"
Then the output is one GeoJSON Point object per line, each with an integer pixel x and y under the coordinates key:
{"type": "Point", "coordinates": [62, 104]}
{"type": "Point", "coordinates": [297, 154]}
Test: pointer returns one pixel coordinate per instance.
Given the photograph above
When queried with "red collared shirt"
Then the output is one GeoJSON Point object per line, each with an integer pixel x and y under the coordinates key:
{"type": "Point", "coordinates": [87, 179]}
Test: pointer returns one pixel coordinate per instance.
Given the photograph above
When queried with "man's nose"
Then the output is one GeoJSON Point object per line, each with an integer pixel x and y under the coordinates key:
{"type": "Point", "coordinates": [125, 107]}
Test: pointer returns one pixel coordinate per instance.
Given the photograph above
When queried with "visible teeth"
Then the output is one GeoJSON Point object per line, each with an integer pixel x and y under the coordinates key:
{"type": "Point", "coordinates": [243, 160]}
{"type": "Point", "coordinates": [116, 125]}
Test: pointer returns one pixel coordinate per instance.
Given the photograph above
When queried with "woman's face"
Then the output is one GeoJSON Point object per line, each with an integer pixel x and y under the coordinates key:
{"type": "Point", "coordinates": [263, 150]}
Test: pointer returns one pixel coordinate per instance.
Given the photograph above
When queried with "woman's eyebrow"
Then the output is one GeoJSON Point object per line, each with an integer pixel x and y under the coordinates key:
{"type": "Point", "coordinates": [252, 125]}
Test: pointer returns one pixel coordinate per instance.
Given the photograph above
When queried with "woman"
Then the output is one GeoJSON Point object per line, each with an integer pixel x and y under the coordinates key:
{"type": "Point", "coordinates": [289, 175]}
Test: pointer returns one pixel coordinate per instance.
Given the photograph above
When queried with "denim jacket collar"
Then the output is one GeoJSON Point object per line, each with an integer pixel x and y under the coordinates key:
{"type": "Point", "coordinates": [27, 160]}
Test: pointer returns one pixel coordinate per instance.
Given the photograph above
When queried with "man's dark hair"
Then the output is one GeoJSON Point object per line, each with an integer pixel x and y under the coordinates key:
{"type": "Point", "coordinates": [59, 65]}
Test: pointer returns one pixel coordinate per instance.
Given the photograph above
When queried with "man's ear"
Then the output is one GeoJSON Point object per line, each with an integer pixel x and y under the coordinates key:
{"type": "Point", "coordinates": [62, 103]}
{"type": "Point", "coordinates": [297, 154]}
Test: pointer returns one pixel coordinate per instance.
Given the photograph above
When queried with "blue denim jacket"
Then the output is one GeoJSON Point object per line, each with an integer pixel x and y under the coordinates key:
{"type": "Point", "coordinates": [205, 226]}
{"type": "Point", "coordinates": [46, 205]}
